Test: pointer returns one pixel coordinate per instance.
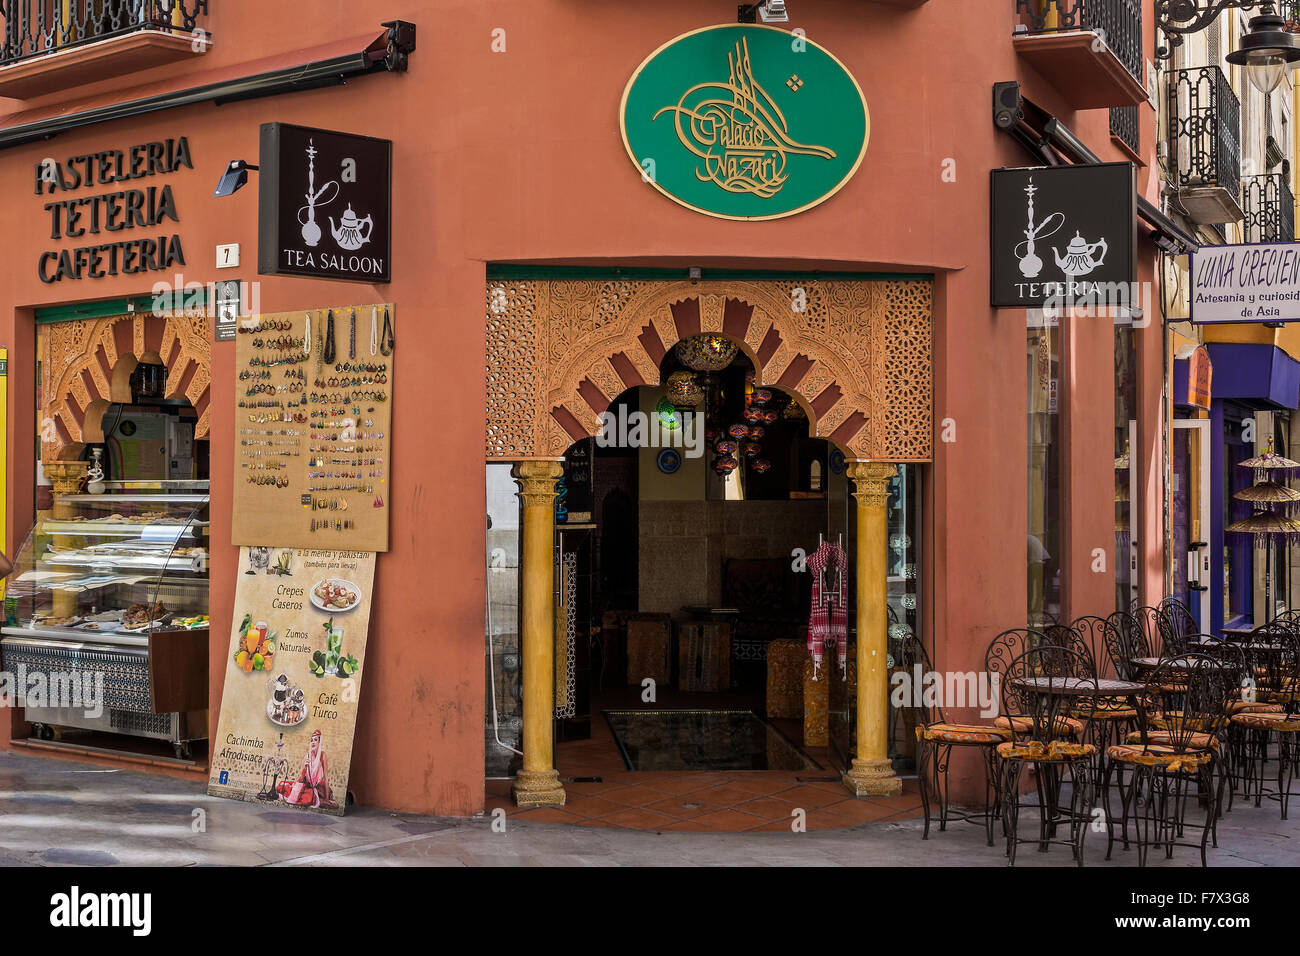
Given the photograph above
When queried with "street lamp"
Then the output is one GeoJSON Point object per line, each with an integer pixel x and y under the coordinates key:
{"type": "Point", "coordinates": [1267, 50]}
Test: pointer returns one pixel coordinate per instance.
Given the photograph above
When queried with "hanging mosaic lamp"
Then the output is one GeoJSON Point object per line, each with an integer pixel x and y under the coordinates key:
{"type": "Point", "coordinates": [726, 448]}
{"type": "Point", "coordinates": [753, 415]}
{"type": "Point", "coordinates": [762, 396]}
{"type": "Point", "coordinates": [761, 465]}
{"type": "Point", "coordinates": [668, 415]}
{"type": "Point", "coordinates": [751, 449]}
{"type": "Point", "coordinates": [738, 431]}
{"type": "Point", "coordinates": [771, 415]}
{"type": "Point", "coordinates": [757, 431]}
{"type": "Point", "coordinates": [724, 466]}
{"type": "Point", "coordinates": [706, 353]}
{"type": "Point", "coordinates": [683, 390]}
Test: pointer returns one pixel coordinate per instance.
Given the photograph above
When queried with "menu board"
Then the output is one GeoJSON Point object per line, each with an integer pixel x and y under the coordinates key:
{"type": "Point", "coordinates": [293, 678]}
{"type": "Point", "coordinates": [313, 428]}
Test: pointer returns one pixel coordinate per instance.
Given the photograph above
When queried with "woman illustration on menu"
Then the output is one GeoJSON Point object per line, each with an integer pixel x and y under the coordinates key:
{"type": "Point", "coordinates": [312, 788]}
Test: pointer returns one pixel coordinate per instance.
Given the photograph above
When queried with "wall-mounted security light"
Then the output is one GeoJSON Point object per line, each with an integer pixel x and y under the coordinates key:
{"type": "Point", "coordinates": [233, 179]}
{"type": "Point", "coordinates": [769, 11]}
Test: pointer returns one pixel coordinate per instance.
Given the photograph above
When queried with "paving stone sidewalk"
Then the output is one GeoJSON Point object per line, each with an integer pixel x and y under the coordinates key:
{"type": "Point", "coordinates": [58, 813]}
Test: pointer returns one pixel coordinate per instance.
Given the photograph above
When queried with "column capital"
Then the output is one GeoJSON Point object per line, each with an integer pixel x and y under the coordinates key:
{"type": "Point", "coordinates": [536, 480]}
{"type": "Point", "coordinates": [871, 480]}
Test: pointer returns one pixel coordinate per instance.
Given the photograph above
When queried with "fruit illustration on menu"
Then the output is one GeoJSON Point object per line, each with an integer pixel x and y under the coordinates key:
{"type": "Point", "coordinates": [256, 647]}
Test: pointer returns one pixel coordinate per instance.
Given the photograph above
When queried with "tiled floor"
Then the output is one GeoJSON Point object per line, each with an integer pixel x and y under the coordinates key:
{"type": "Point", "coordinates": [759, 801]}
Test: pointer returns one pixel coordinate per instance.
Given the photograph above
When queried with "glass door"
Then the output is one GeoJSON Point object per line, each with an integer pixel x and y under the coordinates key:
{"type": "Point", "coordinates": [1189, 490]}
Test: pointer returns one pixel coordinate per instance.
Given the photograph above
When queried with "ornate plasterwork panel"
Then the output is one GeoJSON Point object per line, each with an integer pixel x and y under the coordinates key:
{"type": "Point", "coordinates": [558, 351]}
{"type": "Point", "coordinates": [72, 355]}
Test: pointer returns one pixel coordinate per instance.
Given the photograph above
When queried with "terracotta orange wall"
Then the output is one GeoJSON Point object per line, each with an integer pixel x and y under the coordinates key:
{"type": "Point", "coordinates": [516, 157]}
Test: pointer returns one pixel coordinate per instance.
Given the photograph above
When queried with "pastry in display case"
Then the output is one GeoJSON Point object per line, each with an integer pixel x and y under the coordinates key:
{"type": "Point", "coordinates": [114, 586]}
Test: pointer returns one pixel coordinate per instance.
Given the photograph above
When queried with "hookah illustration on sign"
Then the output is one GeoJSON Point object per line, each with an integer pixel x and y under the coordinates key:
{"type": "Point", "coordinates": [276, 769]}
{"type": "Point", "coordinates": [1030, 263]}
{"type": "Point", "coordinates": [310, 230]}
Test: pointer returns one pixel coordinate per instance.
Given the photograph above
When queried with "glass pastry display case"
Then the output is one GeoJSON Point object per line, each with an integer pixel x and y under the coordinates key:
{"type": "Point", "coordinates": [114, 586]}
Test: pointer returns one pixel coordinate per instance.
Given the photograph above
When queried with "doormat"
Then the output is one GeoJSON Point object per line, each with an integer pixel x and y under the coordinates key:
{"type": "Point", "coordinates": [703, 740]}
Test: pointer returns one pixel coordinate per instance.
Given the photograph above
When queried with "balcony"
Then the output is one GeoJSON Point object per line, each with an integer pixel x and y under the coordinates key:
{"type": "Point", "coordinates": [53, 45]}
{"type": "Point", "coordinates": [1269, 209]}
{"type": "Point", "coordinates": [1090, 50]}
{"type": "Point", "coordinates": [1204, 145]}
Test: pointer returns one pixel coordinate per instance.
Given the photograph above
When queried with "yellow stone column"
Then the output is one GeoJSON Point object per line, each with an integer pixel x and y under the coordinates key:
{"type": "Point", "coordinates": [872, 772]}
{"type": "Point", "coordinates": [537, 784]}
{"type": "Point", "coordinates": [66, 477]}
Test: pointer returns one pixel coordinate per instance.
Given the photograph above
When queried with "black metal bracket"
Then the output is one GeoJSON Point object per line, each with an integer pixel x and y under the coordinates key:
{"type": "Point", "coordinates": [401, 44]}
{"type": "Point", "coordinates": [747, 12]}
{"type": "Point", "coordinates": [1177, 18]}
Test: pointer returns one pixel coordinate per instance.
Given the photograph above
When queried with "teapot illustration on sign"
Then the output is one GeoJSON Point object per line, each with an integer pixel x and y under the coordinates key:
{"type": "Point", "coordinates": [1078, 259]}
{"type": "Point", "coordinates": [348, 232]}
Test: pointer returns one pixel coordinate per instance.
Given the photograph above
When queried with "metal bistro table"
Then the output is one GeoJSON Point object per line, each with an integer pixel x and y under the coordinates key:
{"type": "Point", "coordinates": [1061, 690]}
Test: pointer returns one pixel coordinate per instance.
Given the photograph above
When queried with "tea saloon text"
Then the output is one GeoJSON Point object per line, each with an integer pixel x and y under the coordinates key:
{"type": "Point", "coordinates": [112, 212]}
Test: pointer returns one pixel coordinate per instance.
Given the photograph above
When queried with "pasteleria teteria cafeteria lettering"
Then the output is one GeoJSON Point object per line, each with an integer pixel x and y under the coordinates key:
{"type": "Point", "coordinates": [111, 212]}
{"type": "Point", "coordinates": [745, 122]}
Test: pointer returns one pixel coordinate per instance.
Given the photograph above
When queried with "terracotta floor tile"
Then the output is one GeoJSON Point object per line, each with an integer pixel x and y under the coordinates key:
{"type": "Point", "coordinates": [776, 826]}
{"type": "Point", "coordinates": [635, 796]}
{"type": "Point", "coordinates": [762, 784]}
{"type": "Point", "coordinates": [721, 821]}
{"type": "Point", "coordinates": [725, 795]}
{"type": "Point", "coordinates": [675, 806]}
{"type": "Point", "coordinates": [770, 808]}
{"type": "Point", "coordinates": [592, 789]}
{"type": "Point", "coordinates": [638, 818]}
{"type": "Point", "coordinates": [682, 782]}
{"type": "Point", "coordinates": [592, 807]}
{"type": "Point", "coordinates": [847, 814]}
{"type": "Point", "coordinates": [809, 797]}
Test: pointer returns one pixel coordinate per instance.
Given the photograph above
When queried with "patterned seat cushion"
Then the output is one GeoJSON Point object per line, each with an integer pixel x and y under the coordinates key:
{"type": "Point", "coordinates": [1174, 718]}
{"type": "Point", "coordinates": [1065, 726]}
{"type": "Point", "coordinates": [1105, 713]}
{"type": "Point", "coordinates": [1166, 739]}
{"type": "Point", "coordinates": [1280, 722]}
{"type": "Point", "coordinates": [1054, 751]}
{"type": "Point", "coordinates": [963, 734]}
{"type": "Point", "coordinates": [1157, 755]}
{"type": "Point", "coordinates": [1254, 707]}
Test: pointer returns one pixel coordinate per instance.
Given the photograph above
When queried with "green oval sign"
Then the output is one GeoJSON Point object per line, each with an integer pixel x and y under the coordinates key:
{"type": "Point", "coordinates": [745, 122]}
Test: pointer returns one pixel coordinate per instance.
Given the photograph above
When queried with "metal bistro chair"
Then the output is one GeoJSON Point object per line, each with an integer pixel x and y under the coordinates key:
{"type": "Point", "coordinates": [1004, 649]}
{"type": "Point", "coordinates": [1164, 762]}
{"type": "Point", "coordinates": [1109, 719]}
{"type": "Point", "coordinates": [1126, 639]}
{"type": "Point", "coordinates": [935, 739]}
{"type": "Point", "coordinates": [1039, 745]}
{"type": "Point", "coordinates": [1177, 626]}
{"type": "Point", "coordinates": [1278, 672]}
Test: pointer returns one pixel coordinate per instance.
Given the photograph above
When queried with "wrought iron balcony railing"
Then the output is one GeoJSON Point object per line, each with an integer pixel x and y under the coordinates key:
{"type": "Point", "coordinates": [1269, 208]}
{"type": "Point", "coordinates": [1204, 130]}
{"type": "Point", "coordinates": [37, 27]}
{"type": "Point", "coordinates": [1124, 126]}
{"type": "Point", "coordinates": [1117, 22]}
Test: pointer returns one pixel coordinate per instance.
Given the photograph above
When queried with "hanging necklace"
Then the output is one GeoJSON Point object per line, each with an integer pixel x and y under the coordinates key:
{"type": "Point", "coordinates": [386, 338]}
{"type": "Point", "coordinates": [352, 333]}
{"type": "Point", "coordinates": [374, 329]}
{"type": "Point", "coordinates": [329, 338]}
{"type": "Point", "coordinates": [306, 337]}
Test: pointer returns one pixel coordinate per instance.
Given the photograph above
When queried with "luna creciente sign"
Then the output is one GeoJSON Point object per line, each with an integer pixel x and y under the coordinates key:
{"type": "Point", "coordinates": [745, 122]}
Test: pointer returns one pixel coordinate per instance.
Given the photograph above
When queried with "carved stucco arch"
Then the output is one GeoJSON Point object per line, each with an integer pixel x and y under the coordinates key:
{"type": "Point", "coordinates": [79, 359]}
{"type": "Point", "coordinates": [856, 354]}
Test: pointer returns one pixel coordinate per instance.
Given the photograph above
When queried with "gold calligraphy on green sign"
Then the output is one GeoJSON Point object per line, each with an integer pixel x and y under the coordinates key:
{"type": "Point", "coordinates": [739, 132]}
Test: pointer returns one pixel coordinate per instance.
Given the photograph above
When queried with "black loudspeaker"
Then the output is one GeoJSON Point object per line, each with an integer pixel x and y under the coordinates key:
{"type": "Point", "coordinates": [1006, 105]}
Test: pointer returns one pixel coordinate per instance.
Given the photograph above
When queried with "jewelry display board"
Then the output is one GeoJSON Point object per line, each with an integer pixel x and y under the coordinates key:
{"type": "Point", "coordinates": [313, 428]}
{"type": "Point", "coordinates": [296, 658]}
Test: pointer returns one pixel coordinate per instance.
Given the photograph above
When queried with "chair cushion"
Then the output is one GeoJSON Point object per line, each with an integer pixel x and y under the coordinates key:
{"type": "Point", "coordinates": [1281, 722]}
{"type": "Point", "coordinates": [1175, 717]}
{"type": "Point", "coordinates": [1054, 751]}
{"type": "Point", "coordinates": [1166, 739]}
{"type": "Point", "coordinates": [1253, 707]}
{"type": "Point", "coordinates": [1105, 713]}
{"type": "Point", "coordinates": [963, 733]}
{"type": "Point", "coordinates": [1065, 726]}
{"type": "Point", "coordinates": [1158, 755]}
